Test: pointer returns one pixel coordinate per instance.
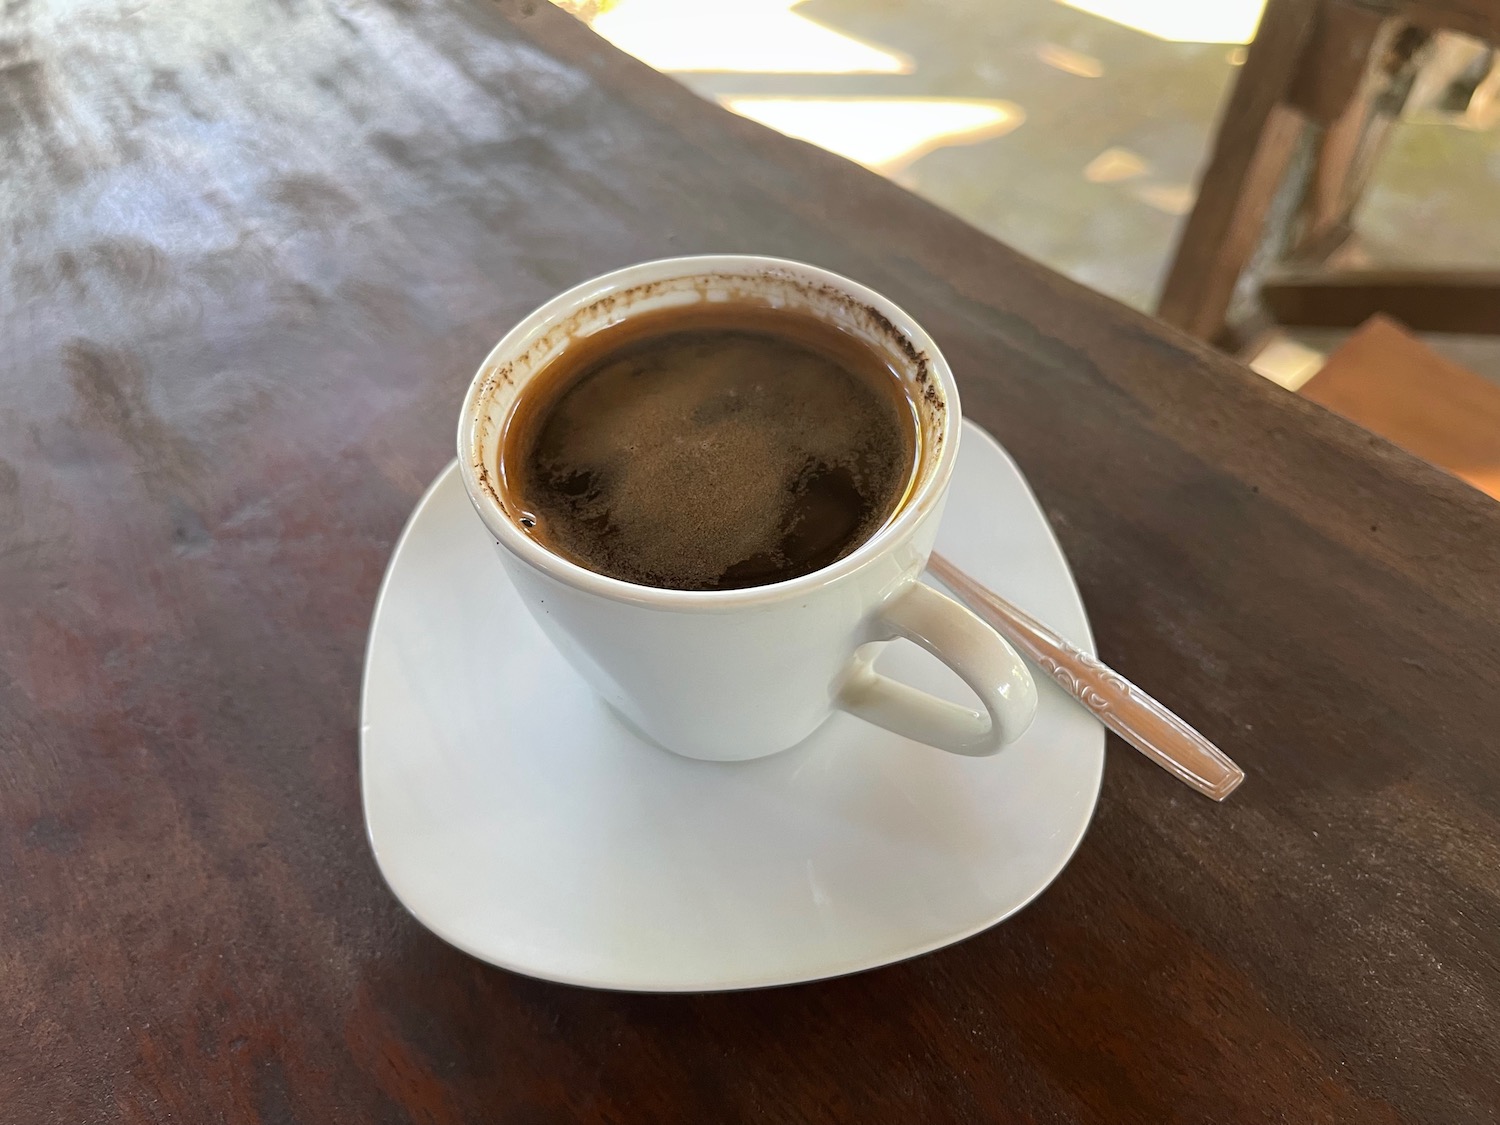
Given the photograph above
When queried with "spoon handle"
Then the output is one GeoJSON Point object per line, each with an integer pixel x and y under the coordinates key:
{"type": "Point", "coordinates": [1116, 702]}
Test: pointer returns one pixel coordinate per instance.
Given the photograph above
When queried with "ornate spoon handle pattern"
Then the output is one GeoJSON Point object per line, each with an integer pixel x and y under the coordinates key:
{"type": "Point", "coordinates": [1117, 703]}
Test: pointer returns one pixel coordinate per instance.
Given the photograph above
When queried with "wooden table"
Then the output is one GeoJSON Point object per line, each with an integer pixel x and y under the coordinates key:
{"type": "Point", "coordinates": [253, 252]}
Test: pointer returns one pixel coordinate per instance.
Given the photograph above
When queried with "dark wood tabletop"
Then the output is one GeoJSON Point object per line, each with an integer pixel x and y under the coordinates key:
{"type": "Point", "coordinates": [253, 252]}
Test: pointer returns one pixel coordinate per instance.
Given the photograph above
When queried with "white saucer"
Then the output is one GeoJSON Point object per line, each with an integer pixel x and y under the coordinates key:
{"type": "Point", "coordinates": [514, 815]}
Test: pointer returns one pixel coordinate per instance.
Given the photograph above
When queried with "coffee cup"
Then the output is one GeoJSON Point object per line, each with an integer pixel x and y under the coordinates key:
{"type": "Point", "coordinates": [733, 674]}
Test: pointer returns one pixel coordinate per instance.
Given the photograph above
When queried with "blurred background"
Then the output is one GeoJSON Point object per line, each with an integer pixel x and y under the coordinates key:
{"type": "Point", "coordinates": [1076, 131]}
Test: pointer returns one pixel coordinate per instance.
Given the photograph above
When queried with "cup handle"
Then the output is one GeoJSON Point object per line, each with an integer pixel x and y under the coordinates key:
{"type": "Point", "coordinates": [980, 656]}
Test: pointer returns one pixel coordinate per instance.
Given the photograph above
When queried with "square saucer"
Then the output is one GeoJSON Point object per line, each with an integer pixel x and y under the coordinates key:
{"type": "Point", "coordinates": [516, 817]}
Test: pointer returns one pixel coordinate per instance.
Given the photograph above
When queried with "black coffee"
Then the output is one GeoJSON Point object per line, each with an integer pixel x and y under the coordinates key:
{"type": "Point", "coordinates": [710, 448]}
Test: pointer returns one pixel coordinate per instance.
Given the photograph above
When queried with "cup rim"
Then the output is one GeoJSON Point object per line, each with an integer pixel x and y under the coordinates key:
{"type": "Point", "coordinates": [479, 484]}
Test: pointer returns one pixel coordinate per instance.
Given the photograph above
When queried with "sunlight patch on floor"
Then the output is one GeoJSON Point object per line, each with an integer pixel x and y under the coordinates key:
{"type": "Point", "coordinates": [745, 37]}
{"type": "Point", "coordinates": [1169, 199]}
{"type": "Point", "coordinates": [1113, 165]}
{"type": "Point", "coordinates": [1180, 21]}
{"type": "Point", "coordinates": [1288, 363]}
{"type": "Point", "coordinates": [884, 134]}
{"type": "Point", "coordinates": [1069, 61]}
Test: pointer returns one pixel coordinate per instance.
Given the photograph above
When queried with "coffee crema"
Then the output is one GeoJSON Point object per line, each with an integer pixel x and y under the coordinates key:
{"type": "Point", "coordinates": [712, 447]}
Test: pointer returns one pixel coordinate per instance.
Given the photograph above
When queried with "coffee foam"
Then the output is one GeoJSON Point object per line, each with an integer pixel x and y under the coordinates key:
{"type": "Point", "coordinates": [741, 421]}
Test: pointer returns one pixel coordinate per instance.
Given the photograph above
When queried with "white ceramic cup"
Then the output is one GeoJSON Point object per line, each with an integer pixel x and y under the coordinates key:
{"type": "Point", "coordinates": [733, 674]}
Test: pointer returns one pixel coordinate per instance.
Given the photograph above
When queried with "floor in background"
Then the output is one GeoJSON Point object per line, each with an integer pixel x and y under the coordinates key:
{"type": "Point", "coordinates": [1073, 132]}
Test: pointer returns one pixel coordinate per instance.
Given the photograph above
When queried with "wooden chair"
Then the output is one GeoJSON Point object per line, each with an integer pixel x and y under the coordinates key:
{"type": "Point", "coordinates": [1391, 383]}
{"type": "Point", "coordinates": [1322, 84]}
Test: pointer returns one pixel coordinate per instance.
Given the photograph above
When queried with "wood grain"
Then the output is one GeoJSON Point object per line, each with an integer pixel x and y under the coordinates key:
{"type": "Point", "coordinates": [254, 251]}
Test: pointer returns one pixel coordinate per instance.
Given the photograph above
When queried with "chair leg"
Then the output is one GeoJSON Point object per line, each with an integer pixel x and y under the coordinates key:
{"type": "Point", "coordinates": [1252, 148]}
{"type": "Point", "coordinates": [1355, 131]}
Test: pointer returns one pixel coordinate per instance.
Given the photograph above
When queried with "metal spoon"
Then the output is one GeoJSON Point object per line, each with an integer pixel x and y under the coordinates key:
{"type": "Point", "coordinates": [1116, 702]}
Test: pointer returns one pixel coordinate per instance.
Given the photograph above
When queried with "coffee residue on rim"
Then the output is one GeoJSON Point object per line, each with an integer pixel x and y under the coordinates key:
{"type": "Point", "coordinates": [711, 447]}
